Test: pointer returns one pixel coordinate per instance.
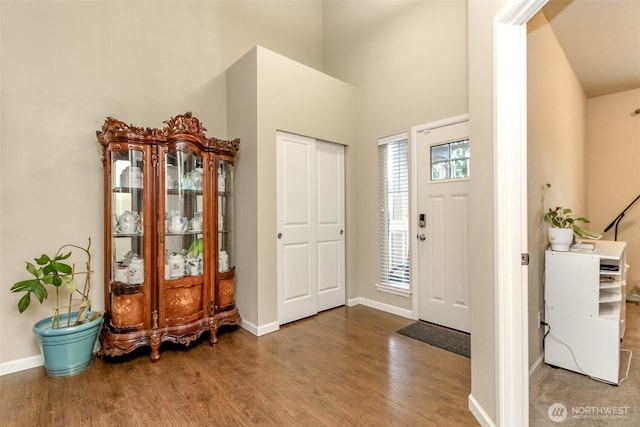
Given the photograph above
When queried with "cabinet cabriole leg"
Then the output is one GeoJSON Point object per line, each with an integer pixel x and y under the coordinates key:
{"type": "Point", "coordinates": [213, 333]}
{"type": "Point", "coordinates": [155, 348]}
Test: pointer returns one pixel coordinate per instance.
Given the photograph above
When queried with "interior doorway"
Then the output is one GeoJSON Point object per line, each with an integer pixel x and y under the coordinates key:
{"type": "Point", "coordinates": [510, 210]}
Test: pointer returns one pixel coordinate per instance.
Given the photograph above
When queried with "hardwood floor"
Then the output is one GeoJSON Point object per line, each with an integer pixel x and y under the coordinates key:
{"type": "Point", "coordinates": [343, 367]}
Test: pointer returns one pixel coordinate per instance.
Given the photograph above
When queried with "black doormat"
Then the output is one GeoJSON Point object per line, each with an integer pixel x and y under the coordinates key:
{"type": "Point", "coordinates": [448, 339]}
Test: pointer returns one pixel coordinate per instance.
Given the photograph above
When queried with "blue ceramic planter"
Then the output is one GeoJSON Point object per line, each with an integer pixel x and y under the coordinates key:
{"type": "Point", "coordinates": [67, 351]}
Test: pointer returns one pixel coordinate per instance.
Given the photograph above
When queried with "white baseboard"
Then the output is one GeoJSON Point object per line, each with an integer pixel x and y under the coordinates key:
{"type": "Point", "coordinates": [381, 306]}
{"type": "Point", "coordinates": [259, 330]}
{"type": "Point", "coordinates": [20, 365]}
{"type": "Point", "coordinates": [479, 413]}
{"type": "Point", "coordinates": [537, 364]}
{"type": "Point", "coordinates": [35, 361]}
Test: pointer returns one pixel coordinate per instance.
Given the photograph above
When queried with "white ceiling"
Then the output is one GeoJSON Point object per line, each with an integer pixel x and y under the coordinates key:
{"type": "Point", "coordinates": [601, 39]}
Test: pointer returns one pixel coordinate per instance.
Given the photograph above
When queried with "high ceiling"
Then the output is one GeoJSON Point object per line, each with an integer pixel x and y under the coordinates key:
{"type": "Point", "coordinates": [601, 39]}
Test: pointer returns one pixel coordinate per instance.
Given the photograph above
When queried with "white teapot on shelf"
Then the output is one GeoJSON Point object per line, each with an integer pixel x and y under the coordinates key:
{"type": "Point", "coordinates": [177, 224]}
{"type": "Point", "coordinates": [196, 176]}
{"type": "Point", "coordinates": [196, 222]}
{"type": "Point", "coordinates": [176, 265]}
{"type": "Point", "coordinates": [132, 176]}
{"type": "Point", "coordinates": [136, 271]}
{"type": "Point", "coordinates": [129, 222]}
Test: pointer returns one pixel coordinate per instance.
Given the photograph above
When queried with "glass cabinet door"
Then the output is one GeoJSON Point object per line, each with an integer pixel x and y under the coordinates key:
{"type": "Point", "coordinates": [225, 216]}
{"type": "Point", "coordinates": [183, 214]}
{"type": "Point", "coordinates": [127, 216]}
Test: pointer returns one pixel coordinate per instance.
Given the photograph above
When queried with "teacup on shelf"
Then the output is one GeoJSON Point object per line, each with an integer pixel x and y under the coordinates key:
{"type": "Point", "coordinates": [196, 222]}
{"type": "Point", "coordinates": [188, 184]}
{"type": "Point", "coordinates": [177, 224]}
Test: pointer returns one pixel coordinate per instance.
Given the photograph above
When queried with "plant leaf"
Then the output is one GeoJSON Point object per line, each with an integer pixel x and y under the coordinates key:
{"type": "Point", "coordinates": [44, 259]}
{"type": "Point", "coordinates": [61, 257]}
{"type": "Point", "coordinates": [83, 310]}
{"type": "Point", "coordinates": [586, 233]}
{"type": "Point", "coordinates": [61, 267]}
{"type": "Point", "coordinates": [24, 302]}
{"type": "Point", "coordinates": [68, 281]}
{"type": "Point", "coordinates": [24, 285]}
{"type": "Point", "coordinates": [29, 286]}
{"type": "Point", "coordinates": [32, 269]}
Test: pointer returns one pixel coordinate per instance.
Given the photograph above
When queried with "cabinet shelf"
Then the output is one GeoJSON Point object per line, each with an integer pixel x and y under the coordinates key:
{"type": "Point", "coordinates": [609, 297]}
{"type": "Point", "coordinates": [179, 191]}
{"type": "Point", "coordinates": [119, 235]}
{"type": "Point", "coordinates": [127, 189]}
{"type": "Point", "coordinates": [610, 311]}
{"type": "Point", "coordinates": [613, 284]}
{"type": "Point", "coordinates": [184, 233]}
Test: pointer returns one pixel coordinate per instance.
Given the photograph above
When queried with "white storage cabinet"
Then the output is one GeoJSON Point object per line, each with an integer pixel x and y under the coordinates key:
{"type": "Point", "coordinates": [584, 309]}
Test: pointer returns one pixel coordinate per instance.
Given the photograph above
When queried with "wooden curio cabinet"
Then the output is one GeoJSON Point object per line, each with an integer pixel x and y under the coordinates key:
{"type": "Point", "coordinates": [168, 234]}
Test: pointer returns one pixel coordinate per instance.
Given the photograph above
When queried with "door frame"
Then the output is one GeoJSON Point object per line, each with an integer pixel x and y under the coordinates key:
{"type": "Point", "coordinates": [413, 200]}
{"type": "Point", "coordinates": [510, 210]}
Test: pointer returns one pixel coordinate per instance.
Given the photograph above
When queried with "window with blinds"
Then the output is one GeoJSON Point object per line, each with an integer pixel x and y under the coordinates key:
{"type": "Point", "coordinates": [393, 168]}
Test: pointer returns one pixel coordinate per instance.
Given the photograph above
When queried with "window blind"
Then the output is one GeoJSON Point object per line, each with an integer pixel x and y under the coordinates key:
{"type": "Point", "coordinates": [393, 169]}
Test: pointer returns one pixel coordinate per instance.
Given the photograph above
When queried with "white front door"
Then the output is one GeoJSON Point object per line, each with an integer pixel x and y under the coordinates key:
{"type": "Point", "coordinates": [443, 199]}
{"type": "Point", "coordinates": [310, 224]}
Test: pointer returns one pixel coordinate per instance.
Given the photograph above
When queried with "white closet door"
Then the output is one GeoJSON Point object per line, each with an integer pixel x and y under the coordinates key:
{"type": "Point", "coordinates": [310, 226]}
{"type": "Point", "coordinates": [330, 224]}
{"type": "Point", "coordinates": [296, 224]}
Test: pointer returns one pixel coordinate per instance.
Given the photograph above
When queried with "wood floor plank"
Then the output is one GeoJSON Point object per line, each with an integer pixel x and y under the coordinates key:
{"type": "Point", "coordinates": [343, 367]}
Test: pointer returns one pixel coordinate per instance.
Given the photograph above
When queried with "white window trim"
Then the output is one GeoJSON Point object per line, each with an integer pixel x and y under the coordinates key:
{"type": "Point", "coordinates": [403, 290]}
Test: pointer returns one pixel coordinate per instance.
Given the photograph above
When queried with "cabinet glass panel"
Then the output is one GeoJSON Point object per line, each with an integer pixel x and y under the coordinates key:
{"type": "Point", "coordinates": [184, 213]}
{"type": "Point", "coordinates": [225, 216]}
{"type": "Point", "coordinates": [127, 206]}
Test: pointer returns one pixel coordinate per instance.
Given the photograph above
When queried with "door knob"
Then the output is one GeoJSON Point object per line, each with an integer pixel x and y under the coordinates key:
{"type": "Point", "coordinates": [279, 235]}
{"type": "Point", "coordinates": [422, 237]}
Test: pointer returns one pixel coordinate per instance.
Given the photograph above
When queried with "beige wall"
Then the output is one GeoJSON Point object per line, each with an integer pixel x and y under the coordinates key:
{"type": "Point", "coordinates": [67, 65]}
{"type": "Point", "coordinates": [557, 108]}
{"type": "Point", "coordinates": [410, 68]}
{"type": "Point", "coordinates": [483, 316]}
{"type": "Point", "coordinates": [242, 114]}
{"type": "Point", "coordinates": [291, 97]}
{"type": "Point", "coordinates": [613, 175]}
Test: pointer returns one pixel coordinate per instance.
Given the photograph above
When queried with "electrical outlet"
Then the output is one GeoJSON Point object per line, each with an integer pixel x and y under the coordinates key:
{"type": "Point", "coordinates": [539, 319]}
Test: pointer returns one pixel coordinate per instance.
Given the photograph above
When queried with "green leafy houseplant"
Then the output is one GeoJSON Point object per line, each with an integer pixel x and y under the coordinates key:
{"type": "Point", "coordinates": [56, 272]}
{"type": "Point", "coordinates": [562, 218]}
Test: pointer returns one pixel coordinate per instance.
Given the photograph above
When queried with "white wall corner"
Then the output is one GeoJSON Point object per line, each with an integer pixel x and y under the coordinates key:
{"type": "Point", "coordinates": [537, 364]}
{"type": "Point", "coordinates": [20, 365]}
{"type": "Point", "coordinates": [259, 330]}
{"type": "Point", "coordinates": [479, 413]}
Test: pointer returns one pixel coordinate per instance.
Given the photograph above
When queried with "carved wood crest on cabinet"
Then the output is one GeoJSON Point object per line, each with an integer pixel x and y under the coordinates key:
{"type": "Point", "coordinates": [168, 233]}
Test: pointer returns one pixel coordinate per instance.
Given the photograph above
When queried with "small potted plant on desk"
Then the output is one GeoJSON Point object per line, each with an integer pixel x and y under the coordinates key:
{"type": "Point", "coordinates": [563, 226]}
{"type": "Point", "coordinates": [67, 338]}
